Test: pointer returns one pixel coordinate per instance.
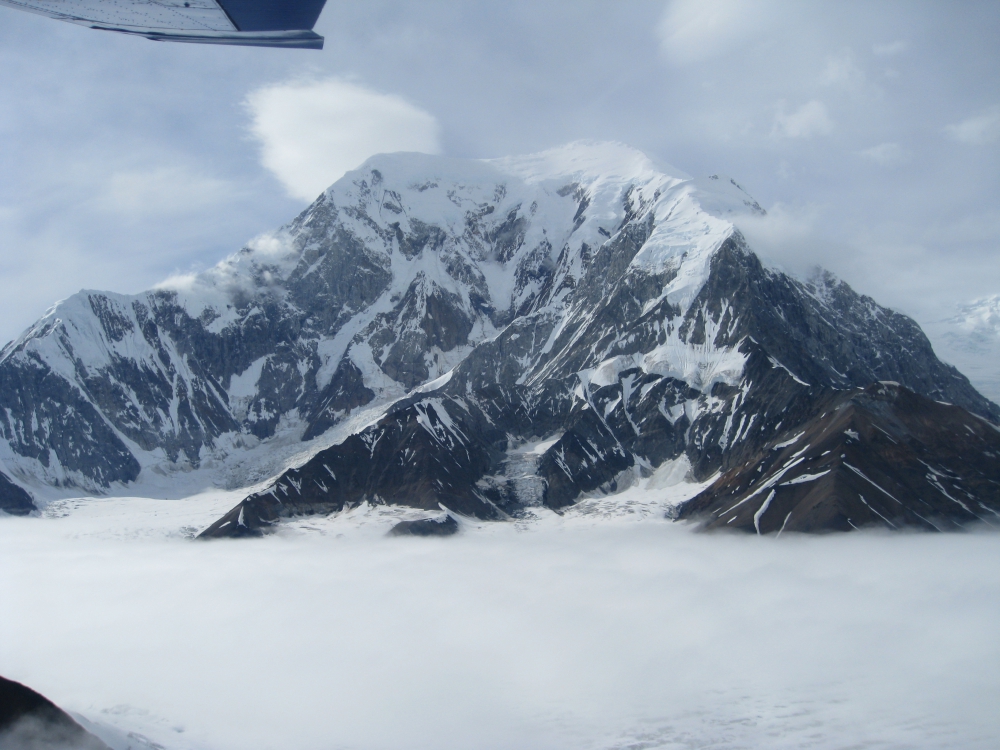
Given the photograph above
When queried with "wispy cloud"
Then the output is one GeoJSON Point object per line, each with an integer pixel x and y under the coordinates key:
{"type": "Point", "coordinates": [977, 130]}
{"type": "Point", "coordinates": [811, 119]}
{"type": "Point", "coordinates": [694, 30]}
{"type": "Point", "coordinates": [790, 237]}
{"type": "Point", "coordinates": [165, 190]}
{"type": "Point", "coordinates": [886, 154]}
{"type": "Point", "coordinates": [312, 132]}
{"type": "Point", "coordinates": [841, 71]}
{"type": "Point", "coordinates": [888, 49]}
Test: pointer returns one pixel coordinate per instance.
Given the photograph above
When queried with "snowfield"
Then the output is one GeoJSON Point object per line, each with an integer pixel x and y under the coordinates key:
{"type": "Point", "coordinates": [605, 628]}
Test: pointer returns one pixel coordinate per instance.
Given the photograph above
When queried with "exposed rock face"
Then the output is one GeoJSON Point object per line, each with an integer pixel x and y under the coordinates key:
{"type": "Point", "coordinates": [881, 456]}
{"type": "Point", "coordinates": [421, 455]}
{"type": "Point", "coordinates": [444, 526]}
{"type": "Point", "coordinates": [29, 721]}
{"type": "Point", "coordinates": [482, 335]}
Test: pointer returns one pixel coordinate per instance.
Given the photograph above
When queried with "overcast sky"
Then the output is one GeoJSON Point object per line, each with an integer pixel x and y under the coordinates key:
{"type": "Point", "coordinates": [870, 131]}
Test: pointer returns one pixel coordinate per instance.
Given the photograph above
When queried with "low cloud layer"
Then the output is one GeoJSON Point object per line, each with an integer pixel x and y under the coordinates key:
{"type": "Point", "coordinates": [576, 633]}
{"type": "Point", "coordinates": [311, 133]}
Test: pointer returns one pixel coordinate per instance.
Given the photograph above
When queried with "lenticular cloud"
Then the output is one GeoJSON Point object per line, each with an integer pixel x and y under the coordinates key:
{"type": "Point", "coordinates": [311, 133]}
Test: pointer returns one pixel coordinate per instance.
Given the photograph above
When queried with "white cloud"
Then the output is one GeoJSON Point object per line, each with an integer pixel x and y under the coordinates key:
{"type": "Point", "coordinates": [312, 132]}
{"type": "Point", "coordinates": [978, 130]}
{"type": "Point", "coordinates": [163, 190]}
{"type": "Point", "coordinates": [808, 120]}
{"type": "Point", "coordinates": [574, 634]}
{"type": "Point", "coordinates": [122, 220]}
{"type": "Point", "coordinates": [790, 238]}
{"type": "Point", "coordinates": [841, 71]}
{"type": "Point", "coordinates": [694, 30]}
{"type": "Point", "coordinates": [886, 154]}
{"type": "Point", "coordinates": [888, 49]}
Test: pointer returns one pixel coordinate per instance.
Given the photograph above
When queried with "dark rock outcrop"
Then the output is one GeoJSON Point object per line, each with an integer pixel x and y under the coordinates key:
{"type": "Point", "coordinates": [422, 454]}
{"type": "Point", "coordinates": [15, 499]}
{"type": "Point", "coordinates": [444, 526]}
{"type": "Point", "coordinates": [30, 721]}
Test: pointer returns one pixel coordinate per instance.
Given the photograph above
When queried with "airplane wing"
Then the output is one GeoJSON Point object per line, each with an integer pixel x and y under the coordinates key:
{"type": "Point", "coordinates": [252, 23]}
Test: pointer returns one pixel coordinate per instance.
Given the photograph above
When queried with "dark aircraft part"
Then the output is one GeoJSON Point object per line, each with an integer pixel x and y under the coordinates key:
{"type": "Point", "coordinates": [250, 23]}
{"type": "Point", "coordinates": [269, 15]}
{"type": "Point", "coordinates": [296, 39]}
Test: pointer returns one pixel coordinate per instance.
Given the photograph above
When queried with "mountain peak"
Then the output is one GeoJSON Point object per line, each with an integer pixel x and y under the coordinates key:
{"type": "Point", "coordinates": [591, 188]}
{"type": "Point", "coordinates": [583, 296]}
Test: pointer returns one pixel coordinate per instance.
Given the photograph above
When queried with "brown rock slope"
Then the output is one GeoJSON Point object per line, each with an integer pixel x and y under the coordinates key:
{"type": "Point", "coordinates": [881, 456]}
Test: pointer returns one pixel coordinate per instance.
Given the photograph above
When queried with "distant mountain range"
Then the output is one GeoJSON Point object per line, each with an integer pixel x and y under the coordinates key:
{"type": "Point", "coordinates": [488, 336]}
{"type": "Point", "coordinates": [970, 339]}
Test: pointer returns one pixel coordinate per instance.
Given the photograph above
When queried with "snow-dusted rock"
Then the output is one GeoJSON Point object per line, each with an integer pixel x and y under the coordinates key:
{"type": "Point", "coordinates": [878, 456]}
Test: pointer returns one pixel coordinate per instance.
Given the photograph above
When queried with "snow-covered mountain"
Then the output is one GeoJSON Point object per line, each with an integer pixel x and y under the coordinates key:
{"type": "Point", "coordinates": [480, 334]}
{"type": "Point", "coordinates": [970, 340]}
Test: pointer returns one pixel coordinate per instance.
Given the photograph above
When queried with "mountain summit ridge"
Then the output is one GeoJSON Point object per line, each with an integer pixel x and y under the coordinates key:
{"type": "Point", "coordinates": [515, 290]}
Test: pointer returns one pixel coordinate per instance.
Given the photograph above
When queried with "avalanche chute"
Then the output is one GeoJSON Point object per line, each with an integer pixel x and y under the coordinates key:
{"type": "Point", "coordinates": [251, 23]}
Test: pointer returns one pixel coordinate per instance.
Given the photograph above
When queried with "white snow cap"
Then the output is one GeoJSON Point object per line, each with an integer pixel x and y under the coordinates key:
{"type": "Point", "coordinates": [692, 217]}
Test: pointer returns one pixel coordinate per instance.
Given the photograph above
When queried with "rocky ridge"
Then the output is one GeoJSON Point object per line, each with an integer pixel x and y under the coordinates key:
{"type": "Point", "coordinates": [880, 456]}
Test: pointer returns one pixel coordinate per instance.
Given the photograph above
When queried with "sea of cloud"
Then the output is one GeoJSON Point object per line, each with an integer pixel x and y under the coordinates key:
{"type": "Point", "coordinates": [586, 630]}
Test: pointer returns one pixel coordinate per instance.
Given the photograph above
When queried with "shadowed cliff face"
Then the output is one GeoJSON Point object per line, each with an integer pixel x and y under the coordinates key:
{"type": "Point", "coordinates": [29, 721]}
